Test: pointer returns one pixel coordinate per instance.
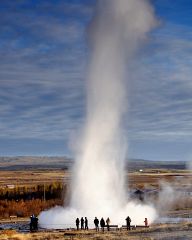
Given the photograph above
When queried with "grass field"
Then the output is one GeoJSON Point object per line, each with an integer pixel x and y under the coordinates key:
{"type": "Point", "coordinates": [52, 184]}
{"type": "Point", "coordinates": [51, 179]}
{"type": "Point", "coordinates": [180, 231]}
{"type": "Point", "coordinates": [33, 177]}
{"type": "Point", "coordinates": [135, 179]}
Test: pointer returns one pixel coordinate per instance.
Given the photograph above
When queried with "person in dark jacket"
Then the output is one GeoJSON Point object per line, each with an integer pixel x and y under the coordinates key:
{"type": "Point", "coordinates": [86, 224]}
{"type": "Point", "coordinates": [128, 223]}
{"type": "Point", "coordinates": [33, 223]}
{"type": "Point", "coordinates": [77, 223]}
{"type": "Point", "coordinates": [82, 223]}
{"type": "Point", "coordinates": [96, 222]}
{"type": "Point", "coordinates": [102, 224]}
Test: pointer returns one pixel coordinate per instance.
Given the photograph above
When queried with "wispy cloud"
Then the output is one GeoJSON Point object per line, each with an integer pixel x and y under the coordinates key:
{"type": "Point", "coordinates": [43, 67]}
{"type": "Point", "coordinates": [162, 92]}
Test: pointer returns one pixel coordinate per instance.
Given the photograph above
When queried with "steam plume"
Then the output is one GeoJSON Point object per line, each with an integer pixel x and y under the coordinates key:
{"type": "Point", "coordinates": [117, 31]}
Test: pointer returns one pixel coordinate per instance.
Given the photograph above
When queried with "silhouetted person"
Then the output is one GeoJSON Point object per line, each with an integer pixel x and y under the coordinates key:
{"type": "Point", "coordinates": [77, 223]}
{"type": "Point", "coordinates": [33, 223]}
{"type": "Point", "coordinates": [146, 222]}
{"type": "Point", "coordinates": [102, 224]}
{"type": "Point", "coordinates": [86, 224]}
{"type": "Point", "coordinates": [36, 223]}
{"type": "Point", "coordinates": [82, 223]}
{"type": "Point", "coordinates": [107, 223]}
{"type": "Point", "coordinates": [128, 221]}
{"type": "Point", "coordinates": [96, 222]}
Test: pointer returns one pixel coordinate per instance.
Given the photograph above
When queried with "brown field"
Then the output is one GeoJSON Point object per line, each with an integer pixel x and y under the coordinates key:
{"type": "Point", "coordinates": [55, 182]}
{"type": "Point", "coordinates": [52, 180]}
{"type": "Point", "coordinates": [136, 179]}
{"type": "Point", "coordinates": [25, 192]}
{"type": "Point", "coordinates": [32, 177]}
{"type": "Point", "coordinates": [180, 231]}
{"type": "Point", "coordinates": [154, 177]}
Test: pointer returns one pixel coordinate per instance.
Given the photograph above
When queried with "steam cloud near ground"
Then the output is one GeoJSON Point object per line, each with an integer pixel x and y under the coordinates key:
{"type": "Point", "coordinates": [118, 30]}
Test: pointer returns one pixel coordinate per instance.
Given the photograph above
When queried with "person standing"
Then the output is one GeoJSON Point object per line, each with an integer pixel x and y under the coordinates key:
{"type": "Point", "coordinates": [102, 224]}
{"type": "Point", "coordinates": [77, 223]}
{"type": "Point", "coordinates": [96, 222]}
{"type": "Point", "coordinates": [146, 222]}
{"type": "Point", "coordinates": [33, 223]}
{"type": "Point", "coordinates": [128, 221]}
{"type": "Point", "coordinates": [82, 223]}
{"type": "Point", "coordinates": [86, 223]}
{"type": "Point", "coordinates": [107, 223]}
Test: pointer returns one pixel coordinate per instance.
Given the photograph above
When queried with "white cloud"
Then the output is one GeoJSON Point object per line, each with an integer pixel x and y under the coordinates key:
{"type": "Point", "coordinates": [43, 68]}
{"type": "Point", "coordinates": [161, 91]}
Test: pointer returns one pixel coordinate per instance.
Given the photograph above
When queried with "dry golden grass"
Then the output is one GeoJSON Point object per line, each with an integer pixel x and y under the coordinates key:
{"type": "Point", "coordinates": [32, 177]}
{"type": "Point", "coordinates": [12, 235]}
{"type": "Point", "coordinates": [136, 179]}
{"type": "Point", "coordinates": [140, 180]}
{"type": "Point", "coordinates": [181, 231]}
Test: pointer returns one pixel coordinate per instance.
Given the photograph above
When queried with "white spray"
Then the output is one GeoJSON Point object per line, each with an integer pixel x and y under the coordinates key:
{"type": "Point", "coordinates": [117, 31]}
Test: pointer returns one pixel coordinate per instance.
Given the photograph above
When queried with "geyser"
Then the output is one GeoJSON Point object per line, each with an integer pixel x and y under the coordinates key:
{"type": "Point", "coordinates": [118, 29]}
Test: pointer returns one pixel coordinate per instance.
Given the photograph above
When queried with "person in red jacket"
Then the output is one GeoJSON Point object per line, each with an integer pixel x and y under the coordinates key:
{"type": "Point", "coordinates": [146, 222]}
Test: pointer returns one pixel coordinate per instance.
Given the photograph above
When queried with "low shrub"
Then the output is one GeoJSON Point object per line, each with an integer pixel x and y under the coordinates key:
{"type": "Point", "coordinates": [26, 208]}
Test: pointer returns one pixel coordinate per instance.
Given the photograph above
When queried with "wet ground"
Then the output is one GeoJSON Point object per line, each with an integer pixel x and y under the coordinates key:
{"type": "Point", "coordinates": [23, 225]}
{"type": "Point", "coordinates": [179, 231]}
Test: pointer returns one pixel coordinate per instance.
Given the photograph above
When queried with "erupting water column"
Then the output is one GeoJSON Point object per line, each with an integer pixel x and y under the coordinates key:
{"type": "Point", "coordinates": [117, 30]}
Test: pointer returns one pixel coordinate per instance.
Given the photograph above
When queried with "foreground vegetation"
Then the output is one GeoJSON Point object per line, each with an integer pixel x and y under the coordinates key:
{"type": "Point", "coordinates": [178, 231]}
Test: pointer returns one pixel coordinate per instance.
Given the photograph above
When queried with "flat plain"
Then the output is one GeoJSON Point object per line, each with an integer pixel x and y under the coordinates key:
{"type": "Point", "coordinates": [180, 231]}
{"type": "Point", "coordinates": [145, 177]}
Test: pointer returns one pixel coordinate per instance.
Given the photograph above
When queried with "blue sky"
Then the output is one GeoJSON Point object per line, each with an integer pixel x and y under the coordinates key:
{"type": "Point", "coordinates": [43, 61]}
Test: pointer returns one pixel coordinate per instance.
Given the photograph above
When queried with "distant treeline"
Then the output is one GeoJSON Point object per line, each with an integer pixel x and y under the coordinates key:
{"type": "Point", "coordinates": [25, 208]}
{"type": "Point", "coordinates": [55, 190]}
{"type": "Point", "coordinates": [22, 201]}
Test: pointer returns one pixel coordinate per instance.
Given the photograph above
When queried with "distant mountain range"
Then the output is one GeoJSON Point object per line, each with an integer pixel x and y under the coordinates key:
{"type": "Point", "coordinates": [137, 164]}
{"type": "Point", "coordinates": [30, 162]}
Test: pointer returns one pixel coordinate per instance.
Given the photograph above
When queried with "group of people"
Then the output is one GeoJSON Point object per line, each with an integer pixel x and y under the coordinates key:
{"type": "Point", "coordinates": [83, 222]}
{"type": "Point", "coordinates": [128, 223]}
{"type": "Point", "coordinates": [102, 223]}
